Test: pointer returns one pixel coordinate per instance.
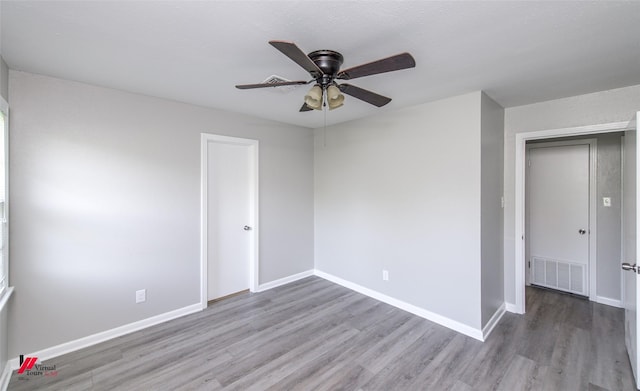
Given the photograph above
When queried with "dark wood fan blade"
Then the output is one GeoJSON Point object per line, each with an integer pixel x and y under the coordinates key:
{"type": "Point", "coordinates": [265, 85]}
{"type": "Point", "coordinates": [389, 64]}
{"type": "Point", "coordinates": [365, 95]}
{"type": "Point", "coordinates": [305, 108]}
{"type": "Point", "coordinates": [290, 50]}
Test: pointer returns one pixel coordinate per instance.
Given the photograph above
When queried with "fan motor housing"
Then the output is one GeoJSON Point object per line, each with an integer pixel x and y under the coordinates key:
{"type": "Point", "coordinates": [329, 61]}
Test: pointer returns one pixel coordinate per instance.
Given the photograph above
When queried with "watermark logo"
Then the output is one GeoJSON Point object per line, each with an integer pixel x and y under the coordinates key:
{"type": "Point", "coordinates": [30, 368]}
{"type": "Point", "coordinates": [26, 365]}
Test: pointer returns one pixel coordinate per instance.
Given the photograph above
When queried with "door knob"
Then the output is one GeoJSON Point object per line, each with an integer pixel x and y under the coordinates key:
{"type": "Point", "coordinates": [628, 266]}
{"type": "Point", "coordinates": [247, 228]}
{"type": "Point", "coordinates": [582, 231]}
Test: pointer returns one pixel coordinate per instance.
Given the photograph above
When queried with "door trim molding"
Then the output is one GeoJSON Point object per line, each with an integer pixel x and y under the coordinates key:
{"type": "Point", "coordinates": [520, 164]}
{"type": "Point", "coordinates": [593, 215]}
{"type": "Point", "coordinates": [205, 139]}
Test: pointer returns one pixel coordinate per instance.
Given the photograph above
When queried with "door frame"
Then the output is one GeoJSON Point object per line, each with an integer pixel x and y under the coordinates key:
{"type": "Point", "coordinates": [205, 139]}
{"type": "Point", "coordinates": [519, 213]}
{"type": "Point", "coordinates": [633, 355]}
{"type": "Point", "coordinates": [593, 187]}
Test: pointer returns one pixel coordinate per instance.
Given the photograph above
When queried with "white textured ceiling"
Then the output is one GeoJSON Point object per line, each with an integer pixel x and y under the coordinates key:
{"type": "Point", "coordinates": [195, 52]}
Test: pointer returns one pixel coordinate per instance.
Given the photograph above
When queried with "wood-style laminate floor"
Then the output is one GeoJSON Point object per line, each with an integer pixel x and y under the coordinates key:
{"type": "Point", "coordinates": [315, 335]}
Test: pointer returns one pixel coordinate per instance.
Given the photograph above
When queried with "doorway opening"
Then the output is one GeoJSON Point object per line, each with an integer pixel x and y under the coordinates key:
{"type": "Point", "coordinates": [520, 193]}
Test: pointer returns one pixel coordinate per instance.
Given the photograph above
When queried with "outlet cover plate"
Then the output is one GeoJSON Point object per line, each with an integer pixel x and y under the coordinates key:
{"type": "Point", "coordinates": [141, 296]}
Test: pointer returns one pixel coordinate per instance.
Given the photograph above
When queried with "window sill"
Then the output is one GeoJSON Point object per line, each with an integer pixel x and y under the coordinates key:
{"type": "Point", "coordinates": [5, 297]}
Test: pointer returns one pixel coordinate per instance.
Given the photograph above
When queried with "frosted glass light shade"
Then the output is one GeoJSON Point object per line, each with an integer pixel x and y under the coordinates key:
{"type": "Point", "coordinates": [335, 98]}
{"type": "Point", "coordinates": [313, 98]}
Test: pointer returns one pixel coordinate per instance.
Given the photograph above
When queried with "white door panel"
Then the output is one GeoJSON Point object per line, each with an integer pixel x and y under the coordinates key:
{"type": "Point", "coordinates": [229, 202]}
{"type": "Point", "coordinates": [558, 205]}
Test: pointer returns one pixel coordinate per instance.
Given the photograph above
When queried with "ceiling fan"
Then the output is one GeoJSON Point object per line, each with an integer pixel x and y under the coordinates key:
{"type": "Point", "coordinates": [324, 68]}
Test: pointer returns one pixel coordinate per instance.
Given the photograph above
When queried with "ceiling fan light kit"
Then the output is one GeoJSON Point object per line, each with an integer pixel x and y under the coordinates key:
{"type": "Point", "coordinates": [324, 68]}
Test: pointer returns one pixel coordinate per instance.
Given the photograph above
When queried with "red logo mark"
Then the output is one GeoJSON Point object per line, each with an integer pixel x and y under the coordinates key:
{"type": "Point", "coordinates": [28, 364]}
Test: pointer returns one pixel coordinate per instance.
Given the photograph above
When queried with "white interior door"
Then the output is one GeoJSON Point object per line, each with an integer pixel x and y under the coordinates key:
{"type": "Point", "coordinates": [630, 240]}
{"type": "Point", "coordinates": [230, 217]}
{"type": "Point", "coordinates": [558, 206]}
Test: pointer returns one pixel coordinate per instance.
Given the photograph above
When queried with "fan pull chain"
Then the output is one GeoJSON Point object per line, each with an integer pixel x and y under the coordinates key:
{"type": "Point", "coordinates": [324, 112]}
{"type": "Point", "coordinates": [324, 131]}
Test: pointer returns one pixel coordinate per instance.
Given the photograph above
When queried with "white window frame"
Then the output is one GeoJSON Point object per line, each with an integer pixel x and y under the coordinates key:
{"type": "Point", "coordinates": [5, 289]}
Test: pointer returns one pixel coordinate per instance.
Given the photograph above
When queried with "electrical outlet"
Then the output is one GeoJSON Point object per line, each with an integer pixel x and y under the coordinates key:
{"type": "Point", "coordinates": [606, 201]}
{"type": "Point", "coordinates": [141, 296]}
{"type": "Point", "coordinates": [385, 275]}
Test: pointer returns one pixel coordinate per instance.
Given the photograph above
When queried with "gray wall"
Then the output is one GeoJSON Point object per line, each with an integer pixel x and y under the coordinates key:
{"type": "Point", "coordinates": [492, 143]}
{"type": "Point", "coordinates": [401, 191]}
{"type": "Point", "coordinates": [4, 69]}
{"type": "Point", "coordinates": [4, 80]}
{"type": "Point", "coordinates": [608, 219]}
{"type": "Point", "coordinates": [106, 200]}
{"type": "Point", "coordinates": [602, 107]}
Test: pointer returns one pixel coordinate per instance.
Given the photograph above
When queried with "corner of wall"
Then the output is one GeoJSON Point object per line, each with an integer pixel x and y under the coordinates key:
{"type": "Point", "coordinates": [492, 201]}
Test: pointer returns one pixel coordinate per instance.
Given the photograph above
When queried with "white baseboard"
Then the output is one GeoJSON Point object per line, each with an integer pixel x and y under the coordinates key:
{"type": "Point", "coordinates": [421, 312]}
{"type": "Point", "coordinates": [510, 307]}
{"type": "Point", "coordinates": [94, 339]}
{"type": "Point", "coordinates": [6, 376]}
{"type": "Point", "coordinates": [283, 281]}
{"type": "Point", "coordinates": [491, 324]}
{"type": "Point", "coordinates": [612, 302]}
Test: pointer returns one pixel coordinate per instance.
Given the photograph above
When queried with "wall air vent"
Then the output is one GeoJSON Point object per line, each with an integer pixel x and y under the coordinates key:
{"type": "Point", "coordinates": [561, 275]}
